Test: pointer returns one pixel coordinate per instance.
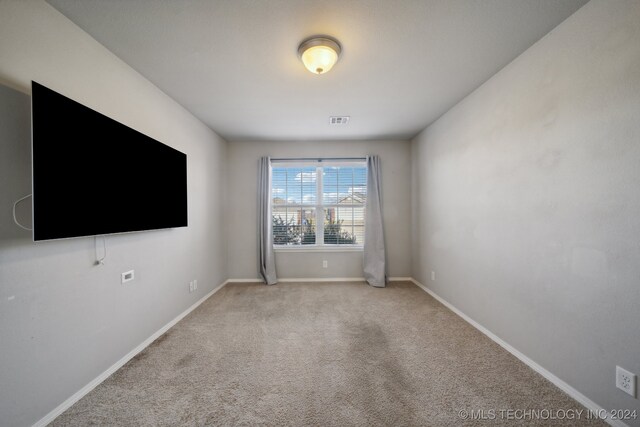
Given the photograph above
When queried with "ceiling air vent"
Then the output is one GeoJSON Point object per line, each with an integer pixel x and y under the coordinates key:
{"type": "Point", "coordinates": [338, 120]}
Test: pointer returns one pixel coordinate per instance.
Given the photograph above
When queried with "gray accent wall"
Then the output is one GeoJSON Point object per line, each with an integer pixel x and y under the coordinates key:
{"type": "Point", "coordinates": [526, 202]}
{"type": "Point", "coordinates": [242, 167]}
{"type": "Point", "coordinates": [63, 320]}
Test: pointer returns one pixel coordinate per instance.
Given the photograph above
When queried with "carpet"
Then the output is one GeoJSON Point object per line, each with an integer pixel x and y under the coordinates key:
{"type": "Point", "coordinates": [324, 354]}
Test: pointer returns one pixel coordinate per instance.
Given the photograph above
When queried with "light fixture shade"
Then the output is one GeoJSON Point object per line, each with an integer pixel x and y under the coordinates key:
{"type": "Point", "coordinates": [319, 54]}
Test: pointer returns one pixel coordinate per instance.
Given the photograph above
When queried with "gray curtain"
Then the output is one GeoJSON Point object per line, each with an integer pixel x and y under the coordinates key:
{"type": "Point", "coordinates": [265, 226]}
{"type": "Point", "coordinates": [375, 268]}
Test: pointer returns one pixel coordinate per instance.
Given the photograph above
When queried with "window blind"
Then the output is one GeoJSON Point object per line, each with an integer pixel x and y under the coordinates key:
{"type": "Point", "coordinates": [320, 204]}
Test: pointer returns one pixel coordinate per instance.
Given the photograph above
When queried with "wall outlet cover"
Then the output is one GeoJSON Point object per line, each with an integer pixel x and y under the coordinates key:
{"type": "Point", "coordinates": [128, 276]}
{"type": "Point", "coordinates": [626, 381]}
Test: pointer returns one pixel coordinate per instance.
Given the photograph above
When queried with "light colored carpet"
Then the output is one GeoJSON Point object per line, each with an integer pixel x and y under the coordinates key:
{"type": "Point", "coordinates": [322, 354]}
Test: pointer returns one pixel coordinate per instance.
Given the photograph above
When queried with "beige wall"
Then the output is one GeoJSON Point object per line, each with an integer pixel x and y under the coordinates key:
{"type": "Point", "coordinates": [526, 202]}
{"type": "Point", "coordinates": [242, 167]}
{"type": "Point", "coordinates": [63, 321]}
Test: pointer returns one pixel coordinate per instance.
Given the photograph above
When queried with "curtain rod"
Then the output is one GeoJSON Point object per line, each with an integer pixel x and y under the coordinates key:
{"type": "Point", "coordinates": [317, 159]}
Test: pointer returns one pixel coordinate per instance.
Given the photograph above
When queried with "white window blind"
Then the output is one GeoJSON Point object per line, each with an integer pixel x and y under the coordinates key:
{"type": "Point", "coordinates": [319, 205]}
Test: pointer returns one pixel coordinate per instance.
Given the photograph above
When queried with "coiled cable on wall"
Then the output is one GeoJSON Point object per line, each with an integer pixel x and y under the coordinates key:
{"type": "Point", "coordinates": [100, 261]}
{"type": "Point", "coordinates": [15, 219]}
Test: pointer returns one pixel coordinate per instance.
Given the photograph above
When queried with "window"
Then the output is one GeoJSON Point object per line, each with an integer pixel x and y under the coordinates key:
{"type": "Point", "coordinates": [321, 206]}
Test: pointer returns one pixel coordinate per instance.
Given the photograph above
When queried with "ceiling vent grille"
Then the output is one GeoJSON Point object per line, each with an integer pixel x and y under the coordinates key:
{"type": "Point", "coordinates": [338, 120]}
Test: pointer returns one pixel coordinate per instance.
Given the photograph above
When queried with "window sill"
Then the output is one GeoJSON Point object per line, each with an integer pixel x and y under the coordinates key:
{"type": "Point", "coordinates": [317, 248]}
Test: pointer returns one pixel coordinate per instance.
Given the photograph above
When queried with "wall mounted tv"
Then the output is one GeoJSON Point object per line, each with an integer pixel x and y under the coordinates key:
{"type": "Point", "coordinates": [93, 175]}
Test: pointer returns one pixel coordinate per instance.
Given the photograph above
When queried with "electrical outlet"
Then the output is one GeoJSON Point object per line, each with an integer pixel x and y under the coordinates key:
{"type": "Point", "coordinates": [195, 285]}
{"type": "Point", "coordinates": [433, 275]}
{"type": "Point", "coordinates": [127, 276]}
{"type": "Point", "coordinates": [626, 381]}
{"type": "Point", "coordinates": [325, 264]}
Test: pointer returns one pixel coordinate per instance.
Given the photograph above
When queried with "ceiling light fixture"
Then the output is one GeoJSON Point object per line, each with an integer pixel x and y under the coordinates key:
{"type": "Point", "coordinates": [319, 53]}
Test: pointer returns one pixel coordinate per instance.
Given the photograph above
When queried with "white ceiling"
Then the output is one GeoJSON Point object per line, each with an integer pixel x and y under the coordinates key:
{"type": "Point", "coordinates": [234, 63]}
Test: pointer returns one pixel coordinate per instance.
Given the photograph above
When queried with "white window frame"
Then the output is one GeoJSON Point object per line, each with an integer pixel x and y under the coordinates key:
{"type": "Point", "coordinates": [319, 246]}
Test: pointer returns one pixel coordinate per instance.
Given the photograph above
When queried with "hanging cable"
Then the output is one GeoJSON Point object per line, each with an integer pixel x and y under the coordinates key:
{"type": "Point", "coordinates": [100, 261]}
{"type": "Point", "coordinates": [15, 219]}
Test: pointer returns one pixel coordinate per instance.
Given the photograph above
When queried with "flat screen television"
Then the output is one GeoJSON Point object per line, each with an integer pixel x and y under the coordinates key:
{"type": "Point", "coordinates": [93, 175]}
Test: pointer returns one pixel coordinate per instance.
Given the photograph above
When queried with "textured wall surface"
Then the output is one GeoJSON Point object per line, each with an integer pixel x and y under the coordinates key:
{"type": "Point", "coordinates": [63, 321]}
{"type": "Point", "coordinates": [242, 169]}
{"type": "Point", "coordinates": [526, 201]}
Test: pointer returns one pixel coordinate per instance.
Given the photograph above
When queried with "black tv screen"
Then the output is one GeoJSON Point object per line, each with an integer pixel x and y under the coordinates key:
{"type": "Point", "coordinates": [93, 175]}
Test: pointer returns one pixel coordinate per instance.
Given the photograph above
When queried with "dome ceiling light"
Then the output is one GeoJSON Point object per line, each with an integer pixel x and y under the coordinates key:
{"type": "Point", "coordinates": [319, 54]}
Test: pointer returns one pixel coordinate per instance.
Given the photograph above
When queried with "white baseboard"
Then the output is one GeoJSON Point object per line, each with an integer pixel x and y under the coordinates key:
{"type": "Point", "coordinates": [575, 394]}
{"type": "Point", "coordinates": [120, 363]}
{"type": "Point", "coordinates": [319, 279]}
{"type": "Point", "coordinates": [400, 279]}
{"type": "Point", "coordinates": [254, 280]}
{"type": "Point", "coordinates": [302, 279]}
